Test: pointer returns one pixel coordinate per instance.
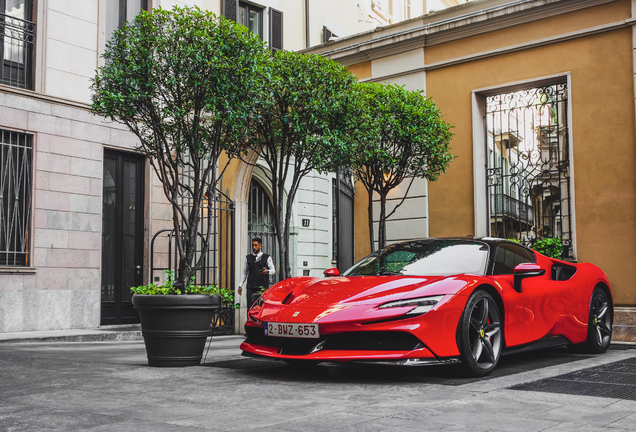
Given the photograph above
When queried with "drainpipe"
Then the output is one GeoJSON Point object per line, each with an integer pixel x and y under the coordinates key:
{"type": "Point", "coordinates": [307, 23]}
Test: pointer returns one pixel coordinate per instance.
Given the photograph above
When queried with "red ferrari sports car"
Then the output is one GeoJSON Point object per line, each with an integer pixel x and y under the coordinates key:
{"type": "Point", "coordinates": [433, 301]}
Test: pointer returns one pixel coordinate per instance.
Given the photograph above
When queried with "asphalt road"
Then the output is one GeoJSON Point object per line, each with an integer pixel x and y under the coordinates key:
{"type": "Point", "coordinates": [107, 386]}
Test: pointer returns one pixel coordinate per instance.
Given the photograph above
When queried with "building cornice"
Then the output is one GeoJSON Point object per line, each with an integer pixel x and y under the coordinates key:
{"type": "Point", "coordinates": [510, 49]}
{"type": "Point", "coordinates": [453, 28]}
{"type": "Point", "coordinates": [43, 97]}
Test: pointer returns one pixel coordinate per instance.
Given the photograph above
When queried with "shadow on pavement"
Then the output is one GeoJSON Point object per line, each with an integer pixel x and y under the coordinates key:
{"type": "Point", "coordinates": [365, 373]}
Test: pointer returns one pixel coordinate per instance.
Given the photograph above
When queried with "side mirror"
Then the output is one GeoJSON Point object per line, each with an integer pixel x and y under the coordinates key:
{"type": "Point", "coordinates": [331, 272]}
{"type": "Point", "coordinates": [526, 270]}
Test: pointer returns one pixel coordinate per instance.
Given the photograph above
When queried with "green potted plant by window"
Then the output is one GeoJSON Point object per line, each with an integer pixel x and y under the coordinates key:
{"type": "Point", "coordinates": [179, 81]}
{"type": "Point", "coordinates": [552, 247]}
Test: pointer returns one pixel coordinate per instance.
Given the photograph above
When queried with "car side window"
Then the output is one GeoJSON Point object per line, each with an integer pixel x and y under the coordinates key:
{"type": "Point", "coordinates": [508, 256]}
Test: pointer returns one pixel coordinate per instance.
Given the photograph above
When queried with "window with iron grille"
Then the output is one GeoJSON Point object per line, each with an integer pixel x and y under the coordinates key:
{"type": "Point", "coordinates": [528, 168]}
{"type": "Point", "coordinates": [17, 43]}
{"type": "Point", "coordinates": [15, 198]}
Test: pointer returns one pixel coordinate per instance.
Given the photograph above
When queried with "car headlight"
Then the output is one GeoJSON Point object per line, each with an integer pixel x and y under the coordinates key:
{"type": "Point", "coordinates": [420, 305]}
{"type": "Point", "coordinates": [258, 303]}
{"type": "Point", "coordinates": [255, 320]}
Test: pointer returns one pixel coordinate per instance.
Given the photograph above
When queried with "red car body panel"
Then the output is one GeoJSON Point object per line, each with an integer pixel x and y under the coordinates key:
{"type": "Point", "coordinates": [544, 308]}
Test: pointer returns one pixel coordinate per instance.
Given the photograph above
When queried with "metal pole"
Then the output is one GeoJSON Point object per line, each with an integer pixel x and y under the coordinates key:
{"type": "Point", "coordinates": [307, 41]}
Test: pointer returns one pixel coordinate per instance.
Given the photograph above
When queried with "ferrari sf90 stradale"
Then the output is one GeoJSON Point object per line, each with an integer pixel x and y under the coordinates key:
{"type": "Point", "coordinates": [435, 301]}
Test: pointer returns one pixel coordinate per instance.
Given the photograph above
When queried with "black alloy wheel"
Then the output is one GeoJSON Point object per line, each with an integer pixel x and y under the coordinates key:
{"type": "Point", "coordinates": [480, 335]}
{"type": "Point", "coordinates": [599, 326]}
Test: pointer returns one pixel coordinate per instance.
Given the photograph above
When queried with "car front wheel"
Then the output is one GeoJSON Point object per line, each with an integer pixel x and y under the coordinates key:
{"type": "Point", "coordinates": [480, 335]}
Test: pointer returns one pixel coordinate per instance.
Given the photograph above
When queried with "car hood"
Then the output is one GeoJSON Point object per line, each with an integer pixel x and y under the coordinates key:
{"type": "Point", "coordinates": [336, 297]}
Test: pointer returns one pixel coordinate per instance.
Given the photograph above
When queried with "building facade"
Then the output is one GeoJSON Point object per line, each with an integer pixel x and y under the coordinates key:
{"type": "Point", "coordinates": [79, 209]}
{"type": "Point", "coordinates": [541, 97]}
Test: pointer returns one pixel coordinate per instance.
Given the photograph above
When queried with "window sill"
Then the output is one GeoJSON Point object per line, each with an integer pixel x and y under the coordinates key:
{"type": "Point", "coordinates": [18, 270]}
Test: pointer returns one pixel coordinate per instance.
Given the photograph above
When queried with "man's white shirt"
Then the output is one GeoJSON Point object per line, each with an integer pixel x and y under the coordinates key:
{"type": "Point", "coordinates": [270, 267]}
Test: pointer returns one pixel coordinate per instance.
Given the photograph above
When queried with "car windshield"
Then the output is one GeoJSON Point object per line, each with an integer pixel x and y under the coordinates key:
{"type": "Point", "coordinates": [425, 258]}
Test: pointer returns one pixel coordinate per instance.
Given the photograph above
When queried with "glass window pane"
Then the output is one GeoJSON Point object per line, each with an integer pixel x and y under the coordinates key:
{"type": "Point", "coordinates": [16, 9]}
{"type": "Point", "coordinates": [13, 42]}
{"type": "Point", "coordinates": [255, 19]}
{"type": "Point", "coordinates": [242, 15]}
{"type": "Point", "coordinates": [133, 7]}
{"type": "Point", "coordinates": [109, 245]}
{"type": "Point", "coordinates": [425, 258]}
{"type": "Point", "coordinates": [112, 17]}
{"type": "Point", "coordinates": [129, 229]}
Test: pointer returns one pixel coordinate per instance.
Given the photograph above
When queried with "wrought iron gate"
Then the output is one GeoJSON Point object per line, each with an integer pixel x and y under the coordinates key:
{"type": "Point", "coordinates": [529, 165]}
{"type": "Point", "coordinates": [342, 221]}
{"type": "Point", "coordinates": [260, 223]}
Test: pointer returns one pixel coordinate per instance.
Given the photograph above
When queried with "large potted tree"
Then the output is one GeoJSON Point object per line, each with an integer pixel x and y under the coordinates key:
{"type": "Point", "coordinates": [178, 80]}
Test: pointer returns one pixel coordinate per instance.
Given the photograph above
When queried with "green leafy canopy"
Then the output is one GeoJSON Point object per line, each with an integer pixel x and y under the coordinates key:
{"type": "Point", "coordinates": [179, 81]}
{"type": "Point", "coordinates": [297, 126]}
{"type": "Point", "coordinates": [394, 134]}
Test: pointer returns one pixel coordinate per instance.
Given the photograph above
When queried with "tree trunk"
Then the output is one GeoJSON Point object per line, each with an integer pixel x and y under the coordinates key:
{"type": "Point", "coordinates": [382, 222]}
{"type": "Point", "coordinates": [370, 214]}
{"type": "Point", "coordinates": [286, 261]}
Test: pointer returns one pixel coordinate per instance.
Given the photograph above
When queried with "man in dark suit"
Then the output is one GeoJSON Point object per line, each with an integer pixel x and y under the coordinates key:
{"type": "Point", "coordinates": [256, 270]}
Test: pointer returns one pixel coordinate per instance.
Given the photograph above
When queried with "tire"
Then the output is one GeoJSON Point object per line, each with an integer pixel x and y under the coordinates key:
{"type": "Point", "coordinates": [599, 325]}
{"type": "Point", "coordinates": [480, 335]}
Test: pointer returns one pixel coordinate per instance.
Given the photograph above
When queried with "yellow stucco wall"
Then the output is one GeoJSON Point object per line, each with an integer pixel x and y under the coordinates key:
{"type": "Point", "coordinates": [361, 70]}
{"type": "Point", "coordinates": [361, 222]}
{"type": "Point", "coordinates": [541, 29]}
{"type": "Point", "coordinates": [604, 150]}
{"type": "Point", "coordinates": [602, 130]}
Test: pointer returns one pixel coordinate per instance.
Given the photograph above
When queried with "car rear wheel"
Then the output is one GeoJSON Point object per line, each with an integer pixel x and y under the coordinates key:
{"type": "Point", "coordinates": [599, 326]}
{"type": "Point", "coordinates": [480, 335]}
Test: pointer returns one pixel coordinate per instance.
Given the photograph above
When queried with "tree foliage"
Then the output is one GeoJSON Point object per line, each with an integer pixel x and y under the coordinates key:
{"type": "Point", "coordinates": [179, 80]}
{"type": "Point", "coordinates": [297, 127]}
{"type": "Point", "coordinates": [395, 135]}
{"type": "Point", "coordinates": [552, 247]}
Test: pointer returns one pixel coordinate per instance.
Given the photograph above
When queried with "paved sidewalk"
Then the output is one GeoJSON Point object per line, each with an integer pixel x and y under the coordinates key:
{"type": "Point", "coordinates": [108, 333]}
{"type": "Point", "coordinates": [107, 386]}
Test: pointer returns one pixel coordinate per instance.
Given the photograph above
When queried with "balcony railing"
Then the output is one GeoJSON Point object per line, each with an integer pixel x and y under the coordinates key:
{"type": "Point", "coordinates": [17, 43]}
{"type": "Point", "coordinates": [502, 206]}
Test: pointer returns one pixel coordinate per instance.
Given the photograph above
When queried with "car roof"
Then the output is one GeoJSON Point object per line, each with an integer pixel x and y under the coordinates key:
{"type": "Point", "coordinates": [492, 242]}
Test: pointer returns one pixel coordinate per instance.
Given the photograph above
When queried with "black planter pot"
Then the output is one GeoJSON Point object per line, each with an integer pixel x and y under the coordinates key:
{"type": "Point", "coordinates": [175, 327]}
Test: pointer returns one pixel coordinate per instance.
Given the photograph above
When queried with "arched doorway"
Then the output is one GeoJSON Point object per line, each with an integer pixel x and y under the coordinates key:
{"type": "Point", "coordinates": [260, 223]}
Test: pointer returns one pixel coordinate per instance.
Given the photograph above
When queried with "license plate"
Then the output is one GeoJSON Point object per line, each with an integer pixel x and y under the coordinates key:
{"type": "Point", "coordinates": [292, 330]}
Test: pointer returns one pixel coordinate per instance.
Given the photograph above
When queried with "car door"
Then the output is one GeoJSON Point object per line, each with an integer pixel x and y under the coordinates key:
{"type": "Point", "coordinates": [532, 313]}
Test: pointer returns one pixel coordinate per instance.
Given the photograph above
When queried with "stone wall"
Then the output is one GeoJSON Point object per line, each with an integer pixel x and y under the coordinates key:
{"type": "Point", "coordinates": [62, 287]}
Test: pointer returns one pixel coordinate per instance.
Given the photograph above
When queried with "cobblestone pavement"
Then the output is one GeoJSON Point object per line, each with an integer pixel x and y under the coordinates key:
{"type": "Point", "coordinates": [107, 386]}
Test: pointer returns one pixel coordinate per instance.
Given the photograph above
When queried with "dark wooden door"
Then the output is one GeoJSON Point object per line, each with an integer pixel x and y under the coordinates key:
{"type": "Point", "coordinates": [122, 235]}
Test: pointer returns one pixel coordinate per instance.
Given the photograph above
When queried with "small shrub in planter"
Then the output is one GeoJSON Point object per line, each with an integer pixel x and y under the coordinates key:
{"type": "Point", "coordinates": [174, 326]}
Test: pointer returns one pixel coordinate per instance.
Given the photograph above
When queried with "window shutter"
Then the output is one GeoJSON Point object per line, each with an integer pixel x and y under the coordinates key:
{"type": "Point", "coordinates": [229, 9]}
{"type": "Point", "coordinates": [327, 34]}
{"type": "Point", "coordinates": [275, 30]}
